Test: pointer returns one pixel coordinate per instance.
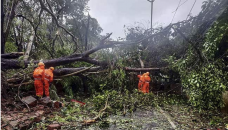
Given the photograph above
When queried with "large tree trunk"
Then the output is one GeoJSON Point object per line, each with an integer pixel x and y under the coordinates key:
{"type": "Point", "coordinates": [15, 64]}
{"type": "Point", "coordinates": [12, 55]}
{"type": "Point", "coordinates": [2, 36]}
{"type": "Point", "coordinates": [58, 74]}
{"type": "Point", "coordinates": [29, 46]}
{"type": "Point", "coordinates": [141, 69]}
{"type": "Point", "coordinates": [141, 62]}
{"type": "Point", "coordinates": [85, 84]}
{"type": "Point", "coordinates": [87, 33]}
{"type": "Point", "coordinates": [65, 71]}
{"type": "Point", "coordinates": [8, 25]}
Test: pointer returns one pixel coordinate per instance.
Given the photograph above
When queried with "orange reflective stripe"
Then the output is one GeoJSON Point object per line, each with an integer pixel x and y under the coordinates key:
{"type": "Point", "coordinates": [37, 78]}
{"type": "Point", "coordinates": [46, 79]}
{"type": "Point", "coordinates": [47, 75]}
{"type": "Point", "coordinates": [38, 72]}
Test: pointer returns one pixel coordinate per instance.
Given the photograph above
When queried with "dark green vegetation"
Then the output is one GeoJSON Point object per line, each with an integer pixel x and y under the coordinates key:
{"type": "Point", "coordinates": [192, 53]}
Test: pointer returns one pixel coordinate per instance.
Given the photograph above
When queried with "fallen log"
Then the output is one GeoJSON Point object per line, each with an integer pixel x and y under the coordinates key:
{"type": "Point", "coordinates": [141, 69]}
{"type": "Point", "coordinates": [58, 73]}
{"type": "Point", "coordinates": [65, 71]}
{"type": "Point", "coordinates": [77, 72]}
{"type": "Point", "coordinates": [12, 55]}
{"type": "Point", "coordinates": [15, 64]}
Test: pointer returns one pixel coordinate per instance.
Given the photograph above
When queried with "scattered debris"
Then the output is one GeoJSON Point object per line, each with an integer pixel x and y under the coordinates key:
{"type": "Point", "coordinates": [54, 126]}
{"type": "Point", "coordinates": [57, 104]}
{"type": "Point", "coordinates": [31, 101]}
{"type": "Point", "coordinates": [168, 117]}
{"type": "Point", "coordinates": [23, 119]}
{"type": "Point", "coordinates": [41, 107]}
{"type": "Point", "coordinates": [81, 103]}
{"type": "Point", "coordinates": [13, 123]}
{"type": "Point", "coordinates": [46, 101]}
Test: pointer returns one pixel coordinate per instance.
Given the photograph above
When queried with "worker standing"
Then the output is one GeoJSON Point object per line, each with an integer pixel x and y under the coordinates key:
{"type": "Point", "coordinates": [141, 82]}
{"type": "Point", "coordinates": [38, 76]}
{"type": "Point", "coordinates": [48, 79]}
{"type": "Point", "coordinates": [145, 88]}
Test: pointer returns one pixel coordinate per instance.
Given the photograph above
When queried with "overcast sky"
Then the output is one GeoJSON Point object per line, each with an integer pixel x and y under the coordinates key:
{"type": "Point", "coordinates": [112, 15]}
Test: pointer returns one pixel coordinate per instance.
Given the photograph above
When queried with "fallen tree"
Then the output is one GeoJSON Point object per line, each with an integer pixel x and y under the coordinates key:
{"type": "Point", "coordinates": [8, 63]}
{"type": "Point", "coordinates": [141, 69]}
{"type": "Point", "coordinates": [12, 55]}
{"type": "Point", "coordinates": [16, 64]}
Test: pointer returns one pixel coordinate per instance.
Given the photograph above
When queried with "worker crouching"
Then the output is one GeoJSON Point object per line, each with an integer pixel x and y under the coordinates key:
{"type": "Point", "coordinates": [38, 75]}
{"type": "Point", "coordinates": [48, 78]}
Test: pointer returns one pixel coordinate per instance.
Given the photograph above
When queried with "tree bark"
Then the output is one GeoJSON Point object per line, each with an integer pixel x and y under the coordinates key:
{"type": "Point", "coordinates": [8, 25]}
{"type": "Point", "coordinates": [141, 69]}
{"type": "Point", "coordinates": [12, 55]}
{"type": "Point", "coordinates": [29, 45]}
{"type": "Point", "coordinates": [2, 36]}
{"type": "Point", "coordinates": [64, 71]}
{"type": "Point", "coordinates": [141, 62]}
{"type": "Point", "coordinates": [20, 47]}
{"type": "Point", "coordinates": [87, 31]}
{"type": "Point", "coordinates": [15, 64]}
{"type": "Point", "coordinates": [58, 74]}
{"type": "Point", "coordinates": [84, 82]}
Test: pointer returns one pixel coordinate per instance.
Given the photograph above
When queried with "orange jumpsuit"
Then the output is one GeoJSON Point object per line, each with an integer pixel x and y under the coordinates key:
{"type": "Point", "coordinates": [48, 78]}
{"type": "Point", "coordinates": [145, 88]}
{"type": "Point", "coordinates": [141, 82]}
{"type": "Point", "coordinates": [38, 75]}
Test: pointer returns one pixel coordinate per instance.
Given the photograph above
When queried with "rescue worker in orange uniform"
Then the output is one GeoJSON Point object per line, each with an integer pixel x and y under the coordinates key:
{"type": "Point", "coordinates": [48, 78]}
{"type": "Point", "coordinates": [38, 76]}
{"type": "Point", "coordinates": [145, 88]}
{"type": "Point", "coordinates": [141, 82]}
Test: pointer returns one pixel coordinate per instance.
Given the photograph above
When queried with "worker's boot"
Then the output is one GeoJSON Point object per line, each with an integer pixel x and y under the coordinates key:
{"type": "Point", "coordinates": [38, 97]}
{"type": "Point", "coordinates": [47, 98]}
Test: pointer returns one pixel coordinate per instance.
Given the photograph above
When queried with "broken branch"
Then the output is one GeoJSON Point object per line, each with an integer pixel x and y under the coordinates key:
{"type": "Point", "coordinates": [77, 72]}
{"type": "Point", "coordinates": [18, 92]}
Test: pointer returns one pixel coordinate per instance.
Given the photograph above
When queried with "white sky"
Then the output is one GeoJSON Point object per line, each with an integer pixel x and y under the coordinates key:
{"type": "Point", "coordinates": [112, 15]}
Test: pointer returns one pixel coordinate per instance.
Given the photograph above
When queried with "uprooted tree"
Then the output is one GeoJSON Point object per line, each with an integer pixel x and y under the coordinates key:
{"type": "Point", "coordinates": [61, 35]}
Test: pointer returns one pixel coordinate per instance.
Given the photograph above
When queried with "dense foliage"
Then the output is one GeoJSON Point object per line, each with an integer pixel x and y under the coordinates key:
{"type": "Point", "coordinates": [206, 80]}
